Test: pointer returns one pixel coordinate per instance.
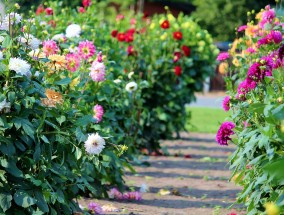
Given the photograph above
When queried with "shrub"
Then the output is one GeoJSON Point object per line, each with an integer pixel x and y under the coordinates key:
{"type": "Point", "coordinates": [255, 83]}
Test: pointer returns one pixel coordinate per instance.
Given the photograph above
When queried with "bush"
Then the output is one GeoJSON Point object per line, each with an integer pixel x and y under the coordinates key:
{"type": "Point", "coordinates": [255, 83]}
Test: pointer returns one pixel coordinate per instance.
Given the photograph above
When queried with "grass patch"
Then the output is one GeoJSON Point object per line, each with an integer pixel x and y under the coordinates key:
{"type": "Point", "coordinates": [205, 120]}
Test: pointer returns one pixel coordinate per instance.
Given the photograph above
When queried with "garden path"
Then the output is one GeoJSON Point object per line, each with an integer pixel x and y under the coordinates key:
{"type": "Point", "coordinates": [195, 176]}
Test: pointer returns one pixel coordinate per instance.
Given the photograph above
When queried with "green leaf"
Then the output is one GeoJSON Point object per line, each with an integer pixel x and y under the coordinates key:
{"type": "Point", "coordinates": [5, 201]}
{"type": "Point", "coordinates": [41, 202]}
{"type": "Point", "coordinates": [78, 153]}
{"type": "Point", "coordinates": [11, 168]}
{"type": "Point", "coordinates": [61, 119]}
{"type": "Point", "coordinates": [63, 81]}
{"type": "Point", "coordinates": [80, 135]}
{"type": "Point", "coordinates": [7, 42]}
{"type": "Point", "coordinates": [23, 199]}
{"type": "Point", "coordinates": [37, 153]}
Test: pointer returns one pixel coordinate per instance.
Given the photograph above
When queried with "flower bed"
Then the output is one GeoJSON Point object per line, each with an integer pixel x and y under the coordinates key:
{"type": "Point", "coordinates": [255, 84]}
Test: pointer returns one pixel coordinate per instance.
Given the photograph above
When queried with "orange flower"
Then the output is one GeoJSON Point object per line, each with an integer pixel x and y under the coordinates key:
{"type": "Point", "coordinates": [52, 99]}
{"type": "Point", "coordinates": [57, 62]}
{"type": "Point", "coordinates": [251, 30]}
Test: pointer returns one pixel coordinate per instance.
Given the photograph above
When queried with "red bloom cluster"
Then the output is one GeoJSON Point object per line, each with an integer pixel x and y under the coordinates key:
{"type": "Point", "coordinates": [177, 35]}
{"type": "Point", "coordinates": [127, 36]}
{"type": "Point", "coordinates": [86, 3]}
{"type": "Point", "coordinates": [177, 57]}
{"type": "Point", "coordinates": [40, 9]}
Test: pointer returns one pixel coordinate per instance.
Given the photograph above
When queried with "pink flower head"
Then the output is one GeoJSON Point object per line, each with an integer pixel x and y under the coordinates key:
{"type": "Point", "coordinates": [81, 10]}
{"type": "Point", "coordinates": [119, 17]}
{"type": "Point", "coordinates": [224, 133]}
{"type": "Point", "coordinates": [244, 87]}
{"type": "Point", "coordinates": [97, 71]}
{"type": "Point", "coordinates": [95, 207]}
{"type": "Point", "coordinates": [133, 21]}
{"type": "Point", "coordinates": [281, 52]}
{"type": "Point", "coordinates": [226, 103]}
{"type": "Point", "coordinates": [133, 196]}
{"type": "Point", "coordinates": [86, 49]}
{"type": "Point", "coordinates": [100, 57]}
{"type": "Point", "coordinates": [115, 194]}
{"type": "Point", "coordinates": [49, 47]}
{"type": "Point", "coordinates": [250, 50]}
{"type": "Point", "coordinates": [242, 28]}
{"type": "Point", "coordinates": [223, 56]}
{"type": "Point", "coordinates": [98, 113]}
{"type": "Point", "coordinates": [86, 3]}
{"type": "Point", "coordinates": [73, 62]}
{"type": "Point", "coordinates": [267, 16]}
{"type": "Point", "coordinates": [255, 73]}
{"type": "Point", "coordinates": [275, 36]}
{"type": "Point", "coordinates": [130, 50]}
{"type": "Point", "coordinates": [49, 11]}
{"type": "Point", "coordinates": [177, 56]}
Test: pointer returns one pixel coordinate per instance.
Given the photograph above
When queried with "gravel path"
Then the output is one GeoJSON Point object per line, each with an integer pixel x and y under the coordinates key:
{"type": "Point", "coordinates": [195, 176]}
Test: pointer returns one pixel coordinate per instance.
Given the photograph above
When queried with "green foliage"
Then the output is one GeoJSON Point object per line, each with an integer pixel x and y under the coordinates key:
{"type": "Point", "coordinates": [217, 15]}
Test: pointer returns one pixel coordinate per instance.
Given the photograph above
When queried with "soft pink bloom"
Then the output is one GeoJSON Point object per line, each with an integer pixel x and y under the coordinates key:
{"type": "Point", "coordinates": [95, 207]}
{"type": "Point", "coordinates": [81, 10]}
{"type": "Point", "coordinates": [115, 194]}
{"type": "Point", "coordinates": [133, 21]}
{"type": "Point", "coordinates": [132, 196]}
{"type": "Point", "coordinates": [223, 56]}
{"type": "Point", "coordinates": [224, 133]}
{"type": "Point", "coordinates": [226, 103]}
{"type": "Point", "coordinates": [119, 17]}
{"type": "Point", "coordinates": [250, 50]}
{"type": "Point", "coordinates": [49, 11]}
{"type": "Point", "coordinates": [86, 49]}
{"type": "Point", "coordinates": [98, 113]}
{"type": "Point", "coordinates": [97, 71]}
{"type": "Point", "coordinates": [272, 37]}
{"type": "Point", "coordinates": [100, 57]}
{"type": "Point", "coordinates": [267, 16]}
{"type": "Point", "coordinates": [73, 62]}
{"type": "Point", "coordinates": [49, 47]}
{"type": "Point", "coordinates": [242, 28]}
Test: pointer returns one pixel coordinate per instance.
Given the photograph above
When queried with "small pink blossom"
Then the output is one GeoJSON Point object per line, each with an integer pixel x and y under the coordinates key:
{"type": "Point", "coordinates": [132, 196]}
{"type": "Point", "coordinates": [250, 50]}
{"type": "Point", "coordinates": [119, 17]}
{"type": "Point", "coordinates": [86, 49]}
{"type": "Point", "coordinates": [242, 28]}
{"type": "Point", "coordinates": [98, 113]}
{"type": "Point", "coordinates": [49, 47]}
{"type": "Point", "coordinates": [73, 62]}
{"type": "Point", "coordinates": [223, 56]}
{"type": "Point", "coordinates": [97, 71]}
{"type": "Point", "coordinates": [95, 207]}
{"type": "Point", "coordinates": [115, 194]}
{"type": "Point", "coordinates": [226, 103]}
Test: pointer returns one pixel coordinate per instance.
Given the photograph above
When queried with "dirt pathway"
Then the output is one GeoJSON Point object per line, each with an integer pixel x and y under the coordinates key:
{"type": "Point", "coordinates": [194, 179]}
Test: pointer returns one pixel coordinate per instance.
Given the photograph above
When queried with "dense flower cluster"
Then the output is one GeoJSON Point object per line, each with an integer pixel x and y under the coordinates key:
{"type": "Point", "coordinates": [224, 133]}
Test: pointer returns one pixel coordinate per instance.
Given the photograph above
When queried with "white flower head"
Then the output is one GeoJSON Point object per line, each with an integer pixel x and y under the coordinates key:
{"type": "Point", "coordinates": [130, 74]}
{"type": "Point", "coordinates": [58, 37]}
{"type": "Point", "coordinates": [131, 87]}
{"type": "Point", "coordinates": [43, 23]}
{"type": "Point", "coordinates": [94, 144]}
{"type": "Point", "coordinates": [117, 81]}
{"type": "Point", "coordinates": [20, 66]}
{"type": "Point", "coordinates": [5, 106]}
{"type": "Point", "coordinates": [37, 53]}
{"type": "Point", "coordinates": [1, 39]}
{"type": "Point", "coordinates": [12, 18]}
{"type": "Point", "coordinates": [30, 40]}
{"type": "Point", "coordinates": [73, 30]}
{"type": "Point", "coordinates": [1, 55]}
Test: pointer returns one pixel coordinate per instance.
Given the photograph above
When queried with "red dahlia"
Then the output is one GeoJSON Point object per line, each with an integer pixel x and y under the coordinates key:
{"type": "Point", "coordinates": [40, 9]}
{"type": "Point", "coordinates": [186, 50]}
{"type": "Point", "coordinates": [114, 33]}
{"type": "Point", "coordinates": [86, 3]}
{"type": "Point", "coordinates": [130, 50]}
{"type": "Point", "coordinates": [120, 37]}
{"type": "Point", "coordinates": [177, 35]}
{"type": "Point", "coordinates": [49, 11]}
{"type": "Point", "coordinates": [177, 56]}
{"type": "Point", "coordinates": [165, 24]}
{"type": "Point", "coordinates": [178, 70]}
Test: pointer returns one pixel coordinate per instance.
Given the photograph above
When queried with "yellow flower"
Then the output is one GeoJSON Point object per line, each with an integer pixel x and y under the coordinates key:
{"type": "Point", "coordinates": [164, 36]}
{"type": "Point", "coordinates": [171, 18]}
{"type": "Point", "coordinates": [57, 62]}
{"type": "Point", "coordinates": [236, 62]}
{"type": "Point", "coordinates": [74, 82]}
{"type": "Point", "coordinates": [250, 30]}
{"type": "Point", "coordinates": [271, 208]}
{"type": "Point", "coordinates": [223, 68]}
{"type": "Point", "coordinates": [259, 15]}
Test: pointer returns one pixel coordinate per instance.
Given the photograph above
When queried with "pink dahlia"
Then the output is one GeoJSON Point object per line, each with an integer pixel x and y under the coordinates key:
{"type": "Point", "coordinates": [86, 49]}
{"type": "Point", "coordinates": [226, 103]}
{"type": "Point", "coordinates": [275, 36]}
{"type": "Point", "coordinates": [250, 50]}
{"type": "Point", "coordinates": [100, 57]}
{"type": "Point", "coordinates": [73, 62]}
{"type": "Point", "coordinates": [115, 194]}
{"type": "Point", "coordinates": [49, 47]}
{"type": "Point", "coordinates": [242, 28]}
{"type": "Point", "coordinates": [132, 196]}
{"type": "Point", "coordinates": [95, 207]}
{"type": "Point", "coordinates": [224, 133]}
{"type": "Point", "coordinates": [97, 71]}
{"type": "Point", "coordinates": [98, 113]}
{"type": "Point", "coordinates": [244, 87]}
{"type": "Point", "coordinates": [223, 56]}
{"type": "Point", "coordinates": [255, 73]}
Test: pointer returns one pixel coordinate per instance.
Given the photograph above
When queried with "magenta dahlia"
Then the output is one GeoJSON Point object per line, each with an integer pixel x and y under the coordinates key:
{"type": "Point", "coordinates": [226, 103]}
{"type": "Point", "coordinates": [86, 49]}
{"type": "Point", "coordinates": [224, 133]}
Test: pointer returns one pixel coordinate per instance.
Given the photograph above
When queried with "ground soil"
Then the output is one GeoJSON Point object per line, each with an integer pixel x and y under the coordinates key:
{"type": "Point", "coordinates": [198, 182]}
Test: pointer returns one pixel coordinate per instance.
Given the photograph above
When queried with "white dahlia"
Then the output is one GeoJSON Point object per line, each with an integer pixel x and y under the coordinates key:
{"type": "Point", "coordinates": [131, 87]}
{"type": "Point", "coordinates": [30, 40]}
{"type": "Point", "coordinates": [14, 18]}
{"type": "Point", "coordinates": [73, 30]}
{"type": "Point", "coordinates": [94, 144]}
{"type": "Point", "coordinates": [58, 37]}
{"type": "Point", "coordinates": [20, 66]}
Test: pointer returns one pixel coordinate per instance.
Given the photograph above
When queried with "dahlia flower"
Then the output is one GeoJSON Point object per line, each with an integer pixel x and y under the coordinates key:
{"type": "Point", "coordinates": [95, 207]}
{"type": "Point", "coordinates": [59, 37]}
{"type": "Point", "coordinates": [224, 133]}
{"type": "Point", "coordinates": [226, 103]}
{"type": "Point", "coordinates": [72, 61]}
{"type": "Point", "coordinates": [135, 195]}
{"type": "Point", "coordinates": [73, 30]}
{"type": "Point", "coordinates": [186, 50]}
{"type": "Point", "coordinates": [244, 87]}
{"type": "Point", "coordinates": [223, 56]}
{"type": "Point", "coordinates": [120, 37]}
{"type": "Point", "coordinates": [115, 194]}
{"type": "Point", "coordinates": [5, 106]}
{"type": "Point", "coordinates": [165, 24]}
{"type": "Point", "coordinates": [178, 70]}
{"type": "Point", "coordinates": [86, 49]}
{"type": "Point", "coordinates": [131, 87]}
{"type": "Point", "coordinates": [177, 35]}
{"type": "Point", "coordinates": [49, 47]}
{"type": "Point", "coordinates": [177, 56]}
{"type": "Point", "coordinates": [20, 66]}
{"type": "Point", "coordinates": [30, 40]}
{"type": "Point", "coordinates": [98, 112]}
{"type": "Point", "coordinates": [94, 144]}
{"type": "Point", "coordinates": [242, 28]}
{"type": "Point", "coordinates": [97, 71]}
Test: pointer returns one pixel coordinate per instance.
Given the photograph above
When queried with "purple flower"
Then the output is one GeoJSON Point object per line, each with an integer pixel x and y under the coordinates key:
{"type": "Point", "coordinates": [223, 56]}
{"type": "Point", "coordinates": [275, 36]}
{"type": "Point", "coordinates": [95, 207]}
{"type": "Point", "coordinates": [224, 132]}
{"type": "Point", "coordinates": [244, 87]}
{"type": "Point", "coordinates": [255, 73]}
{"type": "Point", "coordinates": [226, 103]}
{"type": "Point", "coordinates": [242, 28]}
{"type": "Point", "coordinates": [250, 50]}
{"type": "Point", "coordinates": [281, 52]}
{"type": "Point", "coordinates": [115, 194]}
{"type": "Point", "coordinates": [98, 112]}
{"type": "Point", "coordinates": [97, 71]}
{"type": "Point", "coordinates": [132, 196]}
